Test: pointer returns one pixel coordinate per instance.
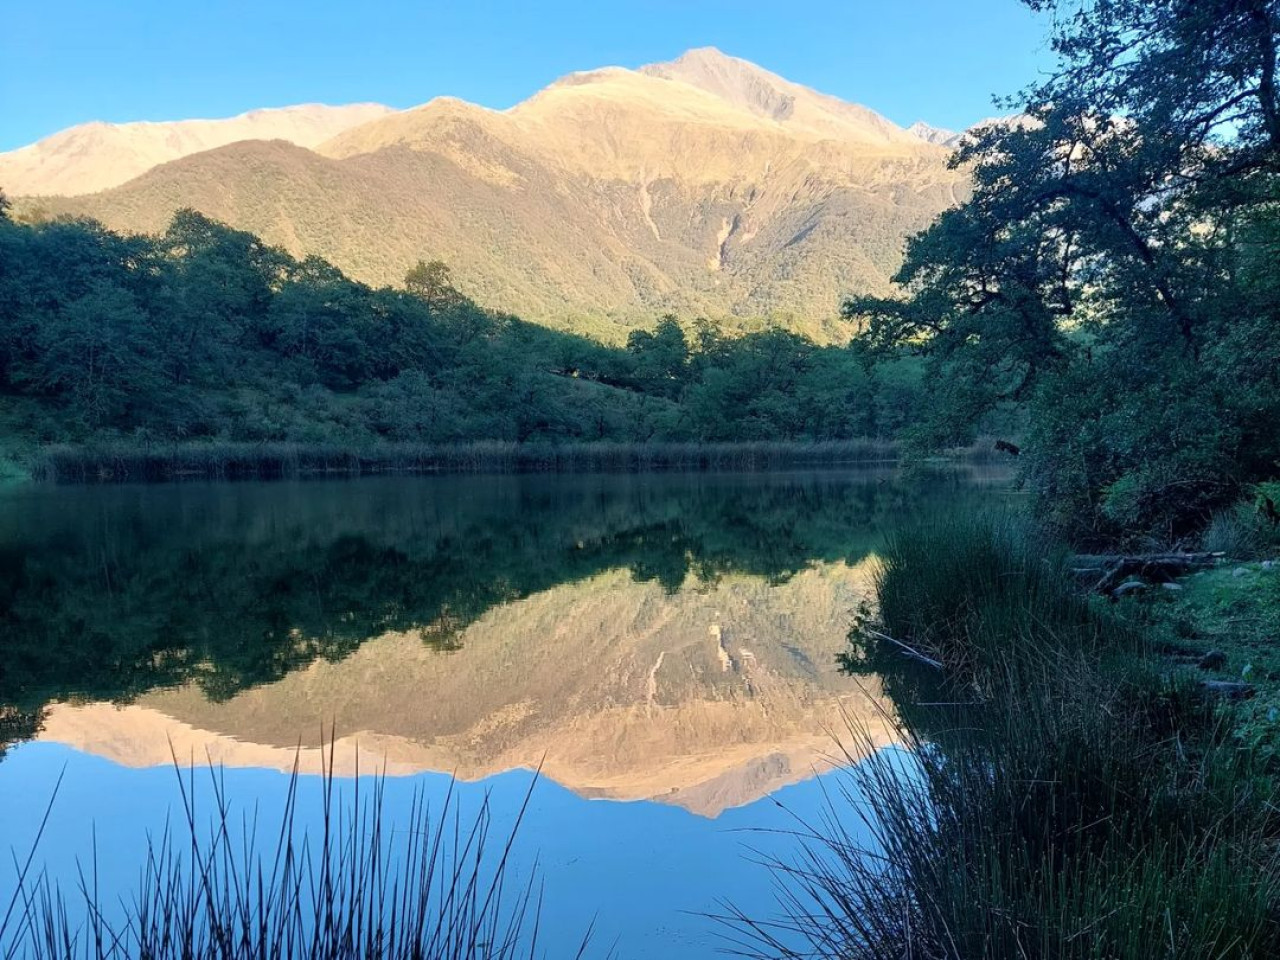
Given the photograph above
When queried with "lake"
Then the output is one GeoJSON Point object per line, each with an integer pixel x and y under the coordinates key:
{"type": "Point", "coordinates": [662, 647]}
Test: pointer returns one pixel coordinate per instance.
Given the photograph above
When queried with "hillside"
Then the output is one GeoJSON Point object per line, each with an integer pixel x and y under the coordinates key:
{"type": "Point", "coordinates": [706, 185]}
{"type": "Point", "coordinates": [98, 156]}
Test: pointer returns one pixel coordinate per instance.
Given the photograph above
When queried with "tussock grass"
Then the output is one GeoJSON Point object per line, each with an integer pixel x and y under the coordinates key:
{"type": "Point", "coordinates": [124, 462]}
{"type": "Point", "coordinates": [438, 886]}
{"type": "Point", "coordinates": [1086, 805]}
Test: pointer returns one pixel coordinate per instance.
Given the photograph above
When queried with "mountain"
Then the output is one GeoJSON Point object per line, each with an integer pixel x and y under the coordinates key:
{"type": "Point", "coordinates": [706, 185]}
{"type": "Point", "coordinates": [935, 135]}
{"type": "Point", "coordinates": [97, 156]}
{"type": "Point", "coordinates": [951, 139]}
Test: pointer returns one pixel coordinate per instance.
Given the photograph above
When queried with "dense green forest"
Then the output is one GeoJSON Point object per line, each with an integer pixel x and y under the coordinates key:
{"type": "Point", "coordinates": [1116, 273]}
{"type": "Point", "coordinates": [205, 333]}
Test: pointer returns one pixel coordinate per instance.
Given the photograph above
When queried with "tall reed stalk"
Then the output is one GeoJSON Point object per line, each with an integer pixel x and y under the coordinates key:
{"type": "Point", "coordinates": [433, 885]}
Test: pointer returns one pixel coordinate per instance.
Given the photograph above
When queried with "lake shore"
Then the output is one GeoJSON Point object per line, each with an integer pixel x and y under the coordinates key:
{"type": "Point", "coordinates": [1072, 790]}
{"type": "Point", "coordinates": [127, 462]}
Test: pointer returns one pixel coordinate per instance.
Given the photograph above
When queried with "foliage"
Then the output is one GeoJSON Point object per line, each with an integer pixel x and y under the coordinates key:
{"type": "Point", "coordinates": [433, 282]}
{"type": "Point", "coordinates": [205, 334]}
{"type": "Point", "coordinates": [1232, 611]}
{"type": "Point", "coordinates": [1114, 269]}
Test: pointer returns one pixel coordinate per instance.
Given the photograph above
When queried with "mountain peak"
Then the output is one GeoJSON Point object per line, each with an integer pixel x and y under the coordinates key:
{"type": "Point", "coordinates": [739, 82]}
{"type": "Point", "coordinates": [802, 110]}
{"type": "Point", "coordinates": [931, 134]}
{"type": "Point", "coordinates": [711, 56]}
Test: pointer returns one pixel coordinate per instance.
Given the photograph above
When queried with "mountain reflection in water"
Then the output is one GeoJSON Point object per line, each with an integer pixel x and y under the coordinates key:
{"type": "Point", "coordinates": [668, 638]}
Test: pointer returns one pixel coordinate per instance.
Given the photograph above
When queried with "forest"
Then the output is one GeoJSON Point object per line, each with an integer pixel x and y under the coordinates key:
{"type": "Point", "coordinates": [206, 334]}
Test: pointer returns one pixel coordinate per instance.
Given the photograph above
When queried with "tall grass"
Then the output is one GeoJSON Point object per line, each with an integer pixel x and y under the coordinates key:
{"type": "Point", "coordinates": [1087, 805]}
{"type": "Point", "coordinates": [436, 886]}
{"type": "Point", "coordinates": [127, 462]}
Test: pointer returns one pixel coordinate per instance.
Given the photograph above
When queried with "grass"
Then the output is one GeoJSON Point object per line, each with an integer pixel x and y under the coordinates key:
{"type": "Point", "coordinates": [438, 886]}
{"type": "Point", "coordinates": [1242, 532]}
{"type": "Point", "coordinates": [129, 462]}
{"type": "Point", "coordinates": [1232, 610]}
{"type": "Point", "coordinates": [1088, 803]}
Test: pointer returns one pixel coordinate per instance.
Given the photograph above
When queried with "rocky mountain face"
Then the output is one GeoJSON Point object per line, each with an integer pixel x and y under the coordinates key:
{"type": "Point", "coordinates": [706, 185]}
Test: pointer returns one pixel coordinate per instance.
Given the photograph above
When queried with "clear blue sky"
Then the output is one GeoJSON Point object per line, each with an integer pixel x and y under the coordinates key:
{"type": "Point", "coordinates": [64, 62]}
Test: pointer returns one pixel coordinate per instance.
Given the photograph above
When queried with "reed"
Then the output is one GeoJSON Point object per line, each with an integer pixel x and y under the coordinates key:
{"type": "Point", "coordinates": [1084, 804]}
{"type": "Point", "coordinates": [216, 460]}
{"type": "Point", "coordinates": [438, 886]}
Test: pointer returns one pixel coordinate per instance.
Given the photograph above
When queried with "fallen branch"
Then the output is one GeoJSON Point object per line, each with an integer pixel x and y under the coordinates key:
{"type": "Point", "coordinates": [906, 650]}
{"type": "Point", "coordinates": [1228, 689]}
{"type": "Point", "coordinates": [1102, 560]}
{"type": "Point", "coordinates": [1152, 567]}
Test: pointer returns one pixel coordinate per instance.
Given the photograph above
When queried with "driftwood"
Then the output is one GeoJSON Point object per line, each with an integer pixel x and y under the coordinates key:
{"type": "Point", "coordinates": [1228, 689]}
{"type": "Point", "coordinates": [1213, 660]}
{"type": "Point", "coordinates": [1122, 572]}
{"type": "Point", "coordinates": [905, 650]}
{"type": "Point", "coordinates": [1128, 587]}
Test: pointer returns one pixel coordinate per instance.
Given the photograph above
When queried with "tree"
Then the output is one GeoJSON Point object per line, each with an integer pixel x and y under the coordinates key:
{"type": "Point", "coordinates": [1108, 270]}
{"type": "Point", "coordinates": [4, 206]}
{"type": "Point", "coordinates": [1203, 72]}
{"type": "Point", "coordinates": [221, 286]}
{"type": "Point", "coordinates": [660, 357]}
{"type": "Point", "coordinates": [433, 282]}
{"type": "Point", "coordinates": [96, 352]}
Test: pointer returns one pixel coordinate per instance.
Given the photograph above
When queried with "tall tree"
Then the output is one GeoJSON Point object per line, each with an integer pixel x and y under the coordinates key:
{"type": "Point", "coordinates": [1107, 269]}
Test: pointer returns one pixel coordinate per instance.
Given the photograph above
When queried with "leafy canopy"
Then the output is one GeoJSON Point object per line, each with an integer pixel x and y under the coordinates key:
{"type": "Point", "coordinates": [1114, 270]}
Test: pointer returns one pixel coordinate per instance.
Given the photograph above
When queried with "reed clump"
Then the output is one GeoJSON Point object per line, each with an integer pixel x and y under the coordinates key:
{"type": "Point", "coordinates": [1075, 799]}
{"type": "Point", "coordinates": [435, 885]}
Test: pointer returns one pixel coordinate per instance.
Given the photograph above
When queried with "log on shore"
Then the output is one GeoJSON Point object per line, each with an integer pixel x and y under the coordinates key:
{"type": "Point", "coordinates": [1122, 570]}
{"type": "Point", "coordinates": [1228, 689]}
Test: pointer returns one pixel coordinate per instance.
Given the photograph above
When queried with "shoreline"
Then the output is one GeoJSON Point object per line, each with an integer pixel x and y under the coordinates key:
{"type": "Point", "coordinates": [235, 461]}
{"type": "Point", "coordinates": [170, 463]}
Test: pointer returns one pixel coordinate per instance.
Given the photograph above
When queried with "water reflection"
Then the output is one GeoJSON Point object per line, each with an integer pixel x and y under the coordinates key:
{"type": "Point", "coordinates": [708, 696]}
{"type": "Point", "coordinates": [670, 639]}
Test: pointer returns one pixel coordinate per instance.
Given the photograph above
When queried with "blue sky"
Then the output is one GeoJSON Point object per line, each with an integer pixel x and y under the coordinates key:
{"type": "Point", "coordinates": [64, 62]}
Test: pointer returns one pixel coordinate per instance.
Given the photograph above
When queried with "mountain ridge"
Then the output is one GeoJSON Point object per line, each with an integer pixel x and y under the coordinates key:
{"type": "Point", "coordinates": [704, 185]}
{"type": "Point", "coordinates": [54, 165]}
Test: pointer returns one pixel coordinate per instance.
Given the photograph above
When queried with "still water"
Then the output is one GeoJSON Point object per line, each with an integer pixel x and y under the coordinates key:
{"type": "Point", "coordinates": [662, 647]}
